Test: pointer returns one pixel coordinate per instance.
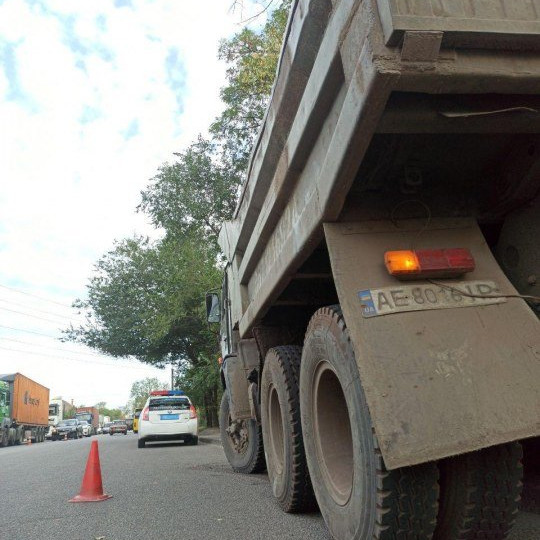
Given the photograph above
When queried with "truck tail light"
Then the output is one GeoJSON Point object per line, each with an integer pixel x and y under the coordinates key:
{"type": "Point", "coordinates": [145, 414]}
{"type": "Point", "coordinates": [192, 412]}
{"type": "Point", "coordinates": [429, 263]}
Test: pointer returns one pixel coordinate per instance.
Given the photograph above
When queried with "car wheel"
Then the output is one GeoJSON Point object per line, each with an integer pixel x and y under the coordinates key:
{"type": "Point", "coordinates": [358, 497]}
{"type": "Point", "coordinates": [141, 443]}
{"type": "Point", "coordinates": [282, 431]}
{"type": "Point", "coordinates": [193, 441]}
{"type": "Point", "coordinates": [242, 441]}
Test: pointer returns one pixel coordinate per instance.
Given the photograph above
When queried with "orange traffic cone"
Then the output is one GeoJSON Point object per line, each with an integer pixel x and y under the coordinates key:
{"type": "Point", "coordinates": [92, 487]}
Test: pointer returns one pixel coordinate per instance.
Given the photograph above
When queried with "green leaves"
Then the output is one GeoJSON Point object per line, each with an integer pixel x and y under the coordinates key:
{"type": "Point", "coordinates": [146, 297]}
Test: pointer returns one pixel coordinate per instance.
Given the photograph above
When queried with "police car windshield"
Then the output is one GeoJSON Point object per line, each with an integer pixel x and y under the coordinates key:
{"type": "Point", "coordinates": [162, 403]}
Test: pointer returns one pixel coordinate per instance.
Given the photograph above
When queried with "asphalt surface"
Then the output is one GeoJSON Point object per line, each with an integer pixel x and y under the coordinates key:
{"type": "Point", "coordinates": [164, 491]}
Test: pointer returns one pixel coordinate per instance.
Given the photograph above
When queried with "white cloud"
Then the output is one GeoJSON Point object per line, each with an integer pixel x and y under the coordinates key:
{"type": "Point", "coordinates": [70, 176]}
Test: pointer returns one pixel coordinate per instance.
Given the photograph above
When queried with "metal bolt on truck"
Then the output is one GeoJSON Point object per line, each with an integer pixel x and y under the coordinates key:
{"type": "Point", "coordinates": [24, 408]}
{"type": "Point", "coordinates": [379, 311]}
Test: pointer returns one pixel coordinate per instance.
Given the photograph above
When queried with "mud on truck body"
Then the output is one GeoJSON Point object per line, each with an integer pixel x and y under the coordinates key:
{"type": "Point", "coordinates": [394, 390]}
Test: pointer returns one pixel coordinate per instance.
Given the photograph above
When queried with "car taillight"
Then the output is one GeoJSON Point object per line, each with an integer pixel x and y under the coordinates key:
{"type": "Point", "coordinates": [145, 413]}
{"type": "Point", "coordinates": [429, 263]}
{"type": "Point", "coordinates": [192, 412]}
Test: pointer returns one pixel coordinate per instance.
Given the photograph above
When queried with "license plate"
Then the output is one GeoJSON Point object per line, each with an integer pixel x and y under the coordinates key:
{"type": "Point", "coordinates": [169, 416]}
{"type": "Point", "coordinates": [416, 297]}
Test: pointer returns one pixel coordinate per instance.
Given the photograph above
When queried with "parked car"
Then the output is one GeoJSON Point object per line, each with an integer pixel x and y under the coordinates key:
{"type": "Point", "coordinates": [119, 426]}
{"type": "Point", "coordinates": [71, 429]}
{"type": "Point", "coordinates": [100, 430]}
{"type": "Point", "coordinates": [136, 415]}
{"type": "Point", "coordinates": [107, 427]}
{"type": "Point", "coordinates": [86, 428]}
{"type": "Point", "coordinates": [168, 415]}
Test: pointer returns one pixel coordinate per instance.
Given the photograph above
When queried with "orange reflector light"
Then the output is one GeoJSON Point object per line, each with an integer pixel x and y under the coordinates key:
{"type": "Point", "coordinates": [429, 263]}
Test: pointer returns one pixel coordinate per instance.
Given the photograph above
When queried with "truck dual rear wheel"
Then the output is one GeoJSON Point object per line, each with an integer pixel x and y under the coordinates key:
{"type": "Point", "coordinates": [282, 430]}
{"type": "Point", "coordinates": [480, 493]}
{"type": "Point", "coordinates": [359, 499]}
{"type": "Point", "coordinates": [242, 441]}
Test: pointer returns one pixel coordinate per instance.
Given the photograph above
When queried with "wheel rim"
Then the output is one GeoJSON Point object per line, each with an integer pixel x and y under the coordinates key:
{"type": "Point", "coordinates": [276, 431]}
{"type": "Point", "coordinates": [333, 435]}
{"type": "Point", "coordinates": [238, 433]}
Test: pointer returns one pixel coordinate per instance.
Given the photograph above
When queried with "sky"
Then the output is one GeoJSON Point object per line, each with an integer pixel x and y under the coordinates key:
{"type": "Point", "coordinates": [94, 97]}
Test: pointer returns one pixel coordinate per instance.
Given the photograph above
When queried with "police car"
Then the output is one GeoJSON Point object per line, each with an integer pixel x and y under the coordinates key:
{"type": "Point", "coordinates": [168, 415]}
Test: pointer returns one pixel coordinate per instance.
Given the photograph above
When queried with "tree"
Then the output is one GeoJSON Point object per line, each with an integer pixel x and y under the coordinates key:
{"type": "Point", "coordinates": [193, 195]}
{"type": "Point", "coordinates": [140, 390]}
{"type": "Point", "coordinates": [252, 59]}
{"type": "Point", "coordinates": [146, 297]}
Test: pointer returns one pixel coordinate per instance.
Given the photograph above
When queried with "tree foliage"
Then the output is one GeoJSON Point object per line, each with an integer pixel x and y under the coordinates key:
{"type": "Point", "coordinates": [140, 390]}
{"type": "Point", "coordinates": [251, 58]}
{"type": "Point", "coordinates": [146, 297]}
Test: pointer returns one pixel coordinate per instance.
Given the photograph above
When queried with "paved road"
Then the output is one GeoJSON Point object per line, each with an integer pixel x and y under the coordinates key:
{"type": "Point", "coordinates": [164, 491]}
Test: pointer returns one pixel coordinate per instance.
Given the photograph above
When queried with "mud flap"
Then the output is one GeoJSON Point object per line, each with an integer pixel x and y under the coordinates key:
{"type": "Point", "coordinates": [438, 382]}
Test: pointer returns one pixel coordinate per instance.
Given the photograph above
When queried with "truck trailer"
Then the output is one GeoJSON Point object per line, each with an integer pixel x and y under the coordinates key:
{"type": "Point", "coordinates": [91, 415]}
{"type": "Point", "coordinates": [379, 312]}
{"type": "Point", "coordinates": [24, 407]}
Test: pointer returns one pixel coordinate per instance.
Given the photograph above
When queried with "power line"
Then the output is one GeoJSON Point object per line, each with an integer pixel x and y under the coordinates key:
{"type": "Point", "coordinates": [35, 296]}
{"type": "Point", "coordinates": [30, 315]}
{"type": "Point", "coordinates": [28, 331]}
{"type": "Point", "coordinates": [72, 359]}
{"type": "Point", "coordinates": [52, 348]}
{"type": "Point", "coordinates": [39, 310]}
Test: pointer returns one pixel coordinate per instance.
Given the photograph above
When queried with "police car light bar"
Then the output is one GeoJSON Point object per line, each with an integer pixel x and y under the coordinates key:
{"type": "Point", "coordinates": [166, 393]}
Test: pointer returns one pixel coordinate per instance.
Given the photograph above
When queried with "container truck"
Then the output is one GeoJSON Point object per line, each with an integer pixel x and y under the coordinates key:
{"type": "Point", "coordinates": [24, 406]}
{"type": "Point", "coordinates": [379, 310]}
{"type": "Point", "coordinates": [91, 415]}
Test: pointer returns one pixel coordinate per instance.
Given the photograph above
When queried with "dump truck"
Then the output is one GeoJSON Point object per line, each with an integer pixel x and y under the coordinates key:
{"type": "Point", "coordinates": [379, 310]}
{"type": "Point", "coordinates": [24, 407]}
{"type": "Point", "coordinates": [90, 415]}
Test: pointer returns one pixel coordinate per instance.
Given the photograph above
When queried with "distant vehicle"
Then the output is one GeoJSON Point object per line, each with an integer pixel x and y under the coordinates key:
{"type": "Point", "coordinates": [87, 429]}
{"type": "Point", "coordinates": [70, 429]}
{"type": "Point", "coordinates": [118, 426]}
{"type": "Point", "coordinates": [24, 407]}
{"type": "Point", "coordinates": [168, 415]}
{"type": "Point", "coordinates": [136, 415]}
{"type": "Point", "coordinates": [107, 427]}
{"type": "Point", "coordinates": [58, 410]}
{"type": "Point", "coordinates": [129, 423]}
{"type": "Point", "coordinates": [91, 415]}
{"type": "Point", "coordinates": [100, 430]}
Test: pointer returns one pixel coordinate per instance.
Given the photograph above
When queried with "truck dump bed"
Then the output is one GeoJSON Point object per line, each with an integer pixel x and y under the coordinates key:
{"type": "Point", "coordinates": [367, 88]}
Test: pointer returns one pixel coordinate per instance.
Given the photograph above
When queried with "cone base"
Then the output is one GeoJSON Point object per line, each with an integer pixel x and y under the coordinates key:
{"type": "Point", "coordinates": [89, 498]}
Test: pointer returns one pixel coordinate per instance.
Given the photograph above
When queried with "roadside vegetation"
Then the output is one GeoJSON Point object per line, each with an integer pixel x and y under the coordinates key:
{"type": "Point", "coordinates": [146, 297]}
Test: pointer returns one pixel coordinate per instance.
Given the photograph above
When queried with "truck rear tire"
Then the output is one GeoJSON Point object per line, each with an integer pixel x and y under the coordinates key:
{"type": "Point", "coordinates": [359, 499]}
{"type": "Point", "coordinates": [282, 430]}
{"type": "Point", "coordinates": [480, 493]}
{"type": "Point", "coordinates": [244, 450]}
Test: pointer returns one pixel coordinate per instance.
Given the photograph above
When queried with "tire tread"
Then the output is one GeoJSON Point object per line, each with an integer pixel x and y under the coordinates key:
{"type": "Point", "coordinates": [407, 498]}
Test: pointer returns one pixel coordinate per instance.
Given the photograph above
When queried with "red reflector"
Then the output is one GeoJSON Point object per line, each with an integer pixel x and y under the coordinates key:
{"type": "Point", "coordinates": [145, 414]}
{"type": "Point", "coordinates": [429, 263]}
{"type": "Point", "coordinates": [192, 412]}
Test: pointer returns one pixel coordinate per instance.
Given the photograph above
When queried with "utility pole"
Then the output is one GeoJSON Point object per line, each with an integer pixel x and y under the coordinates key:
{"type": "Point", "coordinates": [172, 377]}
